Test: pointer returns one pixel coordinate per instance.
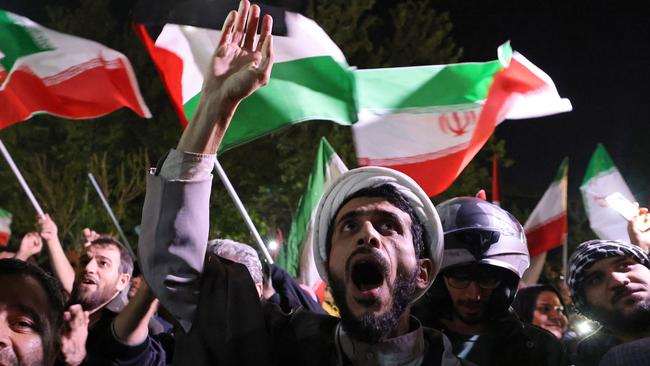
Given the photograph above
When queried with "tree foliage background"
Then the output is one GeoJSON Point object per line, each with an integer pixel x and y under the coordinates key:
{"type": "Point", "coordinates": [269, 174]}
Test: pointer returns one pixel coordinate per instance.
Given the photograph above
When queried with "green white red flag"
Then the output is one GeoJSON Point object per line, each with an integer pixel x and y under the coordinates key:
{"type": "Point", "coordinates": [427, 121]}
{"type": "Point", "coordinates": [546, 227]}
{"type": "Point", "coordinates": [296, 257]}
{"type": "Point", "coordinates": [5, 227]}
{"type": "Point", "coordinates": [44, 71]}
{"type": "Point", "coordinates": [309, 81]}
{"type": "Point", "coordinates": [602, 179]}
{"type": "Point", "coordinates": [430, 121]}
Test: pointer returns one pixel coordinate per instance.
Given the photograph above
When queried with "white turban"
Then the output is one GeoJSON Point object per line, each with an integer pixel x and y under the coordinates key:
{"type": "Point", "coordinates": [368, 177]}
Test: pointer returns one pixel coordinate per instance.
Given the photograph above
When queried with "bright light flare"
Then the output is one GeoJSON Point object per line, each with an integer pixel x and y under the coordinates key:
{"type": "Point", "coordinates": [273, 245]}
{"type": "Point", "coordinates": [584, 327]}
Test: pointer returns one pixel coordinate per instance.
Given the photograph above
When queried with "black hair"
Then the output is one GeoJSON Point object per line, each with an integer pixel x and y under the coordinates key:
{"type": "Point", "coordinates": [526, 299]}
{"type": "Point", "coordinates": [395, 198]}
{"type": "Point", "coordinates": [50, 329]}
{"type": "Point", "coordinates": [126, 262]}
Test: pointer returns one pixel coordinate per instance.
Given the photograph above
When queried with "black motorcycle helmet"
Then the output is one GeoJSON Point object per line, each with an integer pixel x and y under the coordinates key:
{"type": "Point", "coordinates": [481, 239]}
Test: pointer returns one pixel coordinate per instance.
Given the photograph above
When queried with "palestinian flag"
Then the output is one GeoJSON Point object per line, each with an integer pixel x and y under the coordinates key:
{"type": "Point", "coordinates": [43, 71]}
{"type": "Point", "coordinates": [546, 227]}
{"type": "Point", "coordinates": [427, 121]}
{"type": "Point", "coordinates": [430, 121]}
{"type": "Point", "coordinates": [310, 79]}
{"type": "Point", "coordinates": [296, 257]}
{"type": "Point", "coordinates": [602, 179]}
{"type": "Point", "coordinates": [5, 227]}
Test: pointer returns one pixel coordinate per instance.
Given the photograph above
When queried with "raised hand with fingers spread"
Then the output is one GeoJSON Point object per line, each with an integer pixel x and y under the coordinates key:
{"type": "Point", "coordinates": [239, 67]}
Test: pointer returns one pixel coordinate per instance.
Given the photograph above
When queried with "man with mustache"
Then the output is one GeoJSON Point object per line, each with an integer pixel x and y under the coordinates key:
{"type": "Point", "coordinates": [377, 242]}
{"type": "Point", "coordinates": [610, 283]}
{"type": "Point", "coordinates": [103, 272]}
{"type": "Point", "coordinates": [484, 259]}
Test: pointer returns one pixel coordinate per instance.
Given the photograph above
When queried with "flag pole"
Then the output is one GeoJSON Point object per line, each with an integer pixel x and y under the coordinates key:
{"type": "Point", "coordinates": [111, 215]}
{"type": "Point", "coordinates": [242, 210]}
{"type": "Point", "coordinates": [565, 256]}
{"type": "Point", "coordinates": [21, 180]}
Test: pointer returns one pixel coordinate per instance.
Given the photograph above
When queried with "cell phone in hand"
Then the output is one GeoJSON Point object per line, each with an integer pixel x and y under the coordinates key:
{"type": "Point", "coordinates": [627, 209]}
{"type": "Point", "coordinates": [622, 205]}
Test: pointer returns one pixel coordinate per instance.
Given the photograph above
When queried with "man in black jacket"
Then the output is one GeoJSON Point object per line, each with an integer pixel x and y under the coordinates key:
{"type": "Point", "coordinates": [377, 243]}
{"type": "Point", "coordinates": [485, 257]}
{"type": "Point", "coordinates": [610, 283]}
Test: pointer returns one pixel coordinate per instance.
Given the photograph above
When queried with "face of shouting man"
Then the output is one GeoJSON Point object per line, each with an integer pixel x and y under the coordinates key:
{"type": "Point", "coordinates": [373, 268]}
{"type": "Point", "coordinates": [100, 276]}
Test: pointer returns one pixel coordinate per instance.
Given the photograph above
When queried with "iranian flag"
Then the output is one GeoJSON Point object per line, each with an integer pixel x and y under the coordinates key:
{"type": "Point", "coordinates": [296, 257]}
{"type": "Point", "coordinates": [5, 227]}
{"type": "Point", "coordinates": [430, 121]}
{"type": "Point", "coordinates": [426, 121]}
{"type": "Point", "coordinates": [602, 179]}
{"type": "Point", "coordinates": [546, 227]}
{"type": "Point", "coordinates": [44, 71]}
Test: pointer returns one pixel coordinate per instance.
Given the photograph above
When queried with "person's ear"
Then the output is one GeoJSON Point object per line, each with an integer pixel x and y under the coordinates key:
{"type": "Point", "coordinates": [123, 281]}
{"type": "Point", "coordinates": [425, 273]}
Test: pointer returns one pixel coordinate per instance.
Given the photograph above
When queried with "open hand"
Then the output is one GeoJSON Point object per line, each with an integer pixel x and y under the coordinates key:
{"type": "Point", "coordinates": [239, 66]}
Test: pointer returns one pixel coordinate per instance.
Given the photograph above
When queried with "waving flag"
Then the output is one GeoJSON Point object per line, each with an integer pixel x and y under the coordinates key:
{"type": "Point", "coordinates": [310, 79]}
{"type": "Point", "coordinates": [430, 121]}
{"type": "Point", "coordinates": [602, 179]}
{"type": "Point", "coordinates": [296, 257]}
{"type": "Point", "coordinates": [546, 227]}
{"type": "Point", "coordinates": [427, 121]}
{"type": "Point", "coordinates": [5, 227]}
{"type": "Point", "coordinates": [43, 71]}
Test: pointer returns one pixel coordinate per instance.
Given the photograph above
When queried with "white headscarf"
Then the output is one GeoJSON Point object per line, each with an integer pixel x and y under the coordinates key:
{"type": "Point", "coordinates": [369, 177]}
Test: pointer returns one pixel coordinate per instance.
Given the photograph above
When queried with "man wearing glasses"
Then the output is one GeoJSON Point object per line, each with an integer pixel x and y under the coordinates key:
{"type": "Point", "coordinates": [485, 256]}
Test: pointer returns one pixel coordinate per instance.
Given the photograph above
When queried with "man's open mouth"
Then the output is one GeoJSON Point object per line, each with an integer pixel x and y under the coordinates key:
{"type": "Point", "coordinates": [368, 273]}
{"type": "Point", "coordinates": [88, 281]}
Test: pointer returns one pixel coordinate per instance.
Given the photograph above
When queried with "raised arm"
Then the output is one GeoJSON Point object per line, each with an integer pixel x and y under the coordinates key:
{"type": "Point", "coordinates": [175, 217]}
{"type": "Point", "coordinates": [239, 68]}
{"type": "Point", "coordinates": [60, 265]}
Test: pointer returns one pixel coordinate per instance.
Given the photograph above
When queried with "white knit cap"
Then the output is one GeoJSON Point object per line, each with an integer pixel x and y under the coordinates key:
{"type": "Point", "coordinates": [355, 180]}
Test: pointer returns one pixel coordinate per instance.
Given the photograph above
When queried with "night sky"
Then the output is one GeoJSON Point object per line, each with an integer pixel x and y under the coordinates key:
{"type": "Point", "coordinates": [598, 56]}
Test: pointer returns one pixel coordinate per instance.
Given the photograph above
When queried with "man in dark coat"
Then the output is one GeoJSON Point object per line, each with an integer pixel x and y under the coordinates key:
{"type": "Point", "coordinates": [485, 257]}
{"type": "Point", "coordinates": [610, 283]}
{"type": "Point", "coordinates": [377, 243]}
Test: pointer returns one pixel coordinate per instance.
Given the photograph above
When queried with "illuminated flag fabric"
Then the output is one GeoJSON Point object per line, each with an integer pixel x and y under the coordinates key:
{"type": "Point", "coordinates": [546, 227]}
{"type": "Point", "coordinates": [430, 121]}
{"type": "Point", "coordinates": [44, 71]}
{"type": "Point", "coordinates": [297, 256]}
{"type": "Point", "coordinates": [426, 121]}
{"type": "Point", "coordinates": [602, 179]}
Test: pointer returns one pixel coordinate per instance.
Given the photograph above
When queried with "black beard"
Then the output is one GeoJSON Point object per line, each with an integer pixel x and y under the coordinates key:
{"type": "Point", "coordinates": [89, 301]}
{"type": "Point", "coordinates": [638, 321]}
{"type": "Point", "coordinates": [472, 321]}
{"type": "Point", "coordinates": [372, 329]}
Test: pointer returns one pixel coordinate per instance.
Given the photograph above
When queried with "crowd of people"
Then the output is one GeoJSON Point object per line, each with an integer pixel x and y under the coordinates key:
{"type": "Point", "coordinates": [411, 284]}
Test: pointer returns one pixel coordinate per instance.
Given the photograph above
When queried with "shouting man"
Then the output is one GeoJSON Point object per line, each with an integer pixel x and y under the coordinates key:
{"type": "Point", "coordinates": [377, 243]}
